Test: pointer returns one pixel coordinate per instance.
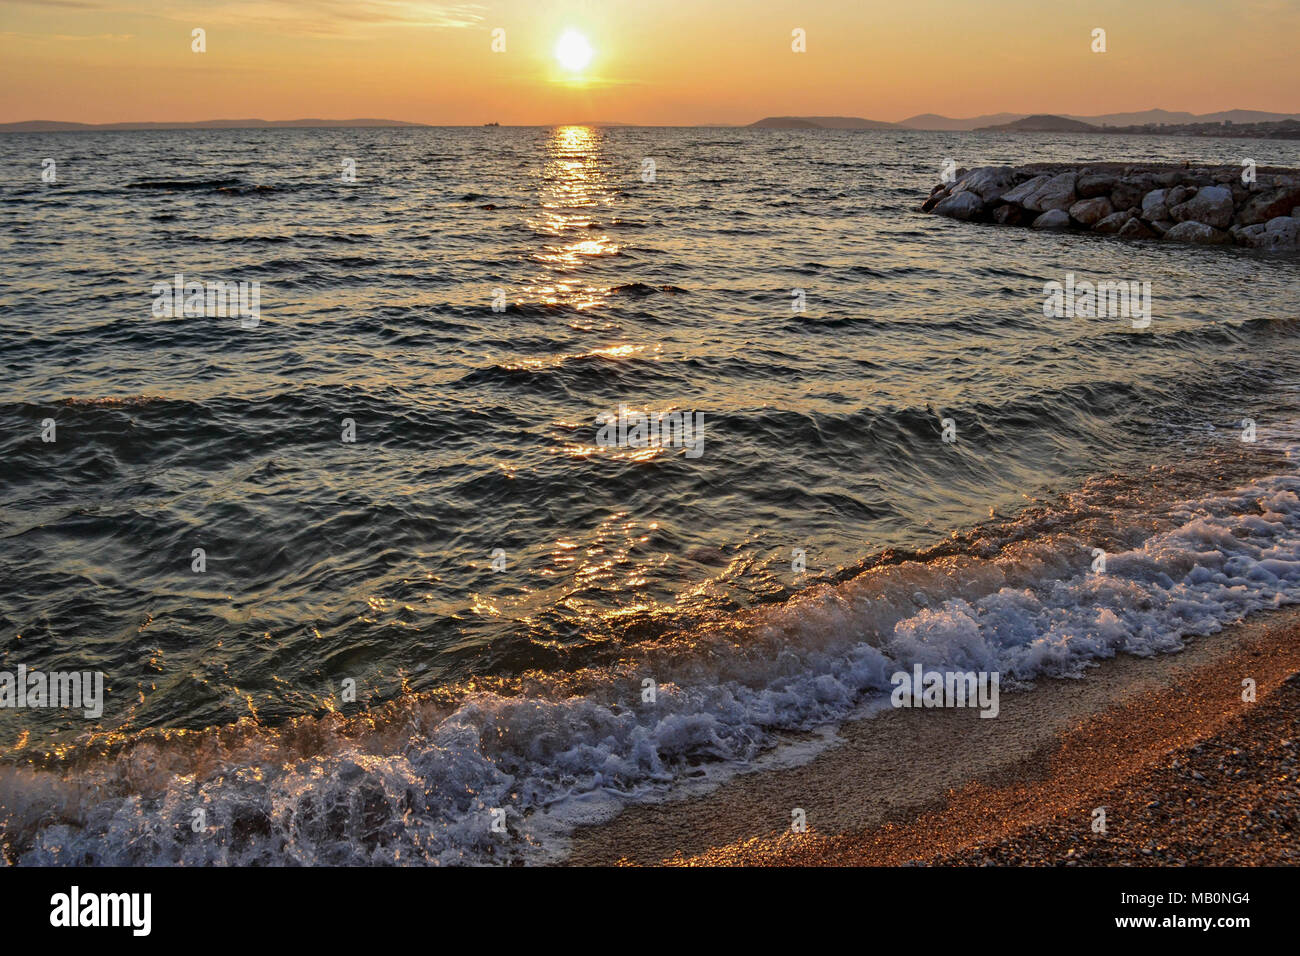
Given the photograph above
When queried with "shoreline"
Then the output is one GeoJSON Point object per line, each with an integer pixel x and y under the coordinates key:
{"type": "Point", "coordinates": [944, 787]}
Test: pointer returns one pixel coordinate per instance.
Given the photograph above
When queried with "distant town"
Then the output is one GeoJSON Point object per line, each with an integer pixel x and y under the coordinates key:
{"type": "Point", "coordinates": [1281, 129]}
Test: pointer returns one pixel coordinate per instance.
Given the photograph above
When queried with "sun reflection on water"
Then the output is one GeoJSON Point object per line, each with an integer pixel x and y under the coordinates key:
{"type": "Point", "coordinates": [602, 574]}
{"type": "Point", "coordinates": [574, 186]}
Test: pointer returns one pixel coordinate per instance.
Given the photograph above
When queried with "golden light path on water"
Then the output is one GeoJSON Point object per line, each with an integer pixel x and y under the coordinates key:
{"type": "Point", "coordinates": [576, 188]}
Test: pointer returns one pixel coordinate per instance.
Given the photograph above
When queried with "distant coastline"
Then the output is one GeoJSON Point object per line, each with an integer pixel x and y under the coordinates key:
{"type": "Point", "coordinates": [1162, 122]}
{"type": "Point", "coordinates": [1249, 123]}
{"type": "Point", "coordinates": [1279, 129]}
{"type": "Point", "coordinates": [59, 126]}
{"type": "Point", "coordinates": [1286, 127]}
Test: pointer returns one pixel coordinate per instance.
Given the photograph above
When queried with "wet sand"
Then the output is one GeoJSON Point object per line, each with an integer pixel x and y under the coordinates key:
{"type": "Point", "coordinates": [1185, 769]}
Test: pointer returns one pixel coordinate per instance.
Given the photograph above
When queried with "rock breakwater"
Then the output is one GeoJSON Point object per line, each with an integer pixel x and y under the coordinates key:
{"type": "Point", "coordinates": [1258, 208]}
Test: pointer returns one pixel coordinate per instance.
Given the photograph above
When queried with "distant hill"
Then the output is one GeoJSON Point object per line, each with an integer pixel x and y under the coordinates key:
{"type": "Point", "coordinates": [820, 122]}
{"type": "Point", "coordinates": [933, 121]}
{"type": "Point", "coordinates": [54, 126]}
{"type": "Point", "coordinates": [1043, 123]}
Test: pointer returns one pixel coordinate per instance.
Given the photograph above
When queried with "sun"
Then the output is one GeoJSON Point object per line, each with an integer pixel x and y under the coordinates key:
{"type": "Point", "coordinates": [573, 51]}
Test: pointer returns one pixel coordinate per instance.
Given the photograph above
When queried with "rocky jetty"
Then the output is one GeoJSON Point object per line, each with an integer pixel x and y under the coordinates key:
{"type": "Point", "coordinates": [1258, 208]}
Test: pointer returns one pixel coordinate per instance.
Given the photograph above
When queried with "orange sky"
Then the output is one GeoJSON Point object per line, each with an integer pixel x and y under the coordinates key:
{"type": "Point", "coordinates": [656, 61]}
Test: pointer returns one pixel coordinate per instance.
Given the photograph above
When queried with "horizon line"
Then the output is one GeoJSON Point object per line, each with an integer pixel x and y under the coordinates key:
{"type": "Point", "coordinates": [379, 122]}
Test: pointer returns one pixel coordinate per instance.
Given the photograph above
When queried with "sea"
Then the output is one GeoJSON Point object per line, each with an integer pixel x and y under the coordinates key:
{"type": "Point", "coordinates": [536, 472]}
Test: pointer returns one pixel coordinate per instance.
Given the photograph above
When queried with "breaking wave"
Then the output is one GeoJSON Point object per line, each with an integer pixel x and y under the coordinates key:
{"type": "Point", "coordinates": [422, 779]}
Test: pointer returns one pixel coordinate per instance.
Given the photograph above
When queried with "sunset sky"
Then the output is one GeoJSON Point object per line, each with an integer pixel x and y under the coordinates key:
{"type": "Point", "coordinates": [663, 62]}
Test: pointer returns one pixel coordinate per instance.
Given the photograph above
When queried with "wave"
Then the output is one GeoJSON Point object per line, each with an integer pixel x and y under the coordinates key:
{"type": "Point", "coordinates": [422, 779]}
{"type": "Point", "coordinates": [178, 185]}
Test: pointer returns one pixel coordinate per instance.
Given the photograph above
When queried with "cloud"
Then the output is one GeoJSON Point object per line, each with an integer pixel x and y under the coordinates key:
{"type": "Point", "coordinates": [319, 17]}
{"type": "Point", "coordinates": [77, 4]}
{"type": "Point", "coordinates": [331, 16]}
{"type": "Point", "coordinates": [97, 37]}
